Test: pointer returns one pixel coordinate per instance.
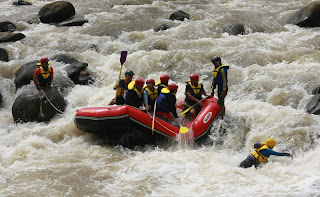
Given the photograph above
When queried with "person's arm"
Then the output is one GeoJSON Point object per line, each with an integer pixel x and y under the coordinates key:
{"type": "Point", "coordinates": [145, 100]}
{"type": "Point", "coordinates": [194, 99]}
{"type": "Point", "coordinates": [51, 79]}
{"type": "Point", "coordinates": [35, 76]}
{"type": "Point", "coordinates": [172, 105]}
{"type": "Point", "coordinates": [122, 84]}
{"type": "Point", "coordinates": [268, 152]}
{"type": "Point", "coordinates": [224, 82]}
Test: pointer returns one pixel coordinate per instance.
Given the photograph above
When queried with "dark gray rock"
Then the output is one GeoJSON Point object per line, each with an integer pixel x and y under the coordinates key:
{"type": "Point", "coordinates": [74, 21]}
{"type": "Point", "coordinates": [76, 70]}
{"type": "Point", "coordinates": [313, 107]}
{"type": "Point", "coordinates": [7, 26]}
{"type": "Point", "coordinates": [10, 37]}
{"type": "Point", "coordinates": [308, 16]}
{"type": "Point", "coordinates": [27, 106]}
{"type": "Point", "coordinates": [21, 2]}
{"type": "Point", "coordinates": [316, 90]}
{"type": "Point", "coordinates": [179, 15]}
{"type": "Point", "coordinates": [56, 12]}
{"type": "Point", "coordinates": [25, 74]}
{"type": "Point", "coordinates": [235, 29]}
{"type": "Point", "coordinates": [62, 84]}
{"type": "Point", "coordinates": [162, 27]}
{"type": "Point", "coordinates": [4, 55]}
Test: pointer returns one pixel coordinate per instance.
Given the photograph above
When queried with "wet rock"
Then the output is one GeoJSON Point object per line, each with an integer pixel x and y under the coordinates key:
{"type": "Point", "coordinates": [25, 74]}
{"type": "Point", "coordinates": [56, 12]}
{"type": "Point", "coordinates": [21, 2]}
{"type": "Point", "coordinates": [62, 84]}
{"type": "Point", "coordinates": [7, 26]}
{"type": "Point", "coordinates": [76, 70]}
{"type": "Point", "coordinates": [10, 37]}
{"type": "Point", "coordinates": [316, 90]}
{"type": "Point", "coordinates": [313, 107]}
{"type": "Point", "coordinates": [162, 28]}
{"type": "Point", "coordinates": [179, 15]}
{"type": "Point", "coordinates": [235, 29]}
{"type": "Point", "coordinates": [4, 55]}
{"type": "Point", "coordinates": [308, 16]}
{"type": "Point", "coordinates": [74, 21]}
{"type": "Point", "coordinates": [32, 105]}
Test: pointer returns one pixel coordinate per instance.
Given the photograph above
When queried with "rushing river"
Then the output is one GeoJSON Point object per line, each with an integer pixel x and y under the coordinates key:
{"type": "Point", "coordinates": [273, 69]}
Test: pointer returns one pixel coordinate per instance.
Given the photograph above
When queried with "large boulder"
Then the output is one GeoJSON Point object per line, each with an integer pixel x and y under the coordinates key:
{"type": "Point", "coordinates": [4, 55]}
{"type": "Point", "coordinates": [235, 29]}
{"type": "Point", "coordinates": [74, 21]}
{"type": "Point", "coordinates": [313, 107]}
{"type": "Point", "coordinates": [63, 84]}
{"type": "Point", "coordinates": [308, 16]}
{"type": "Point", "coordinates": [10, 37]}
{"type": "Point", "coordinates": [21, 2]}
{"type": "Point", "coordinates": [33, 106]}
{"type": "Point", "coordinates": [25, 74]}
{"type": "Point", "coordinates": [7, 26]}
{"type": "Point", "coordinates": [76, 70]}
{"type": "Point", "coordinates": [56, 12]}
{"type": "Point", "coordinates": [179, 15]}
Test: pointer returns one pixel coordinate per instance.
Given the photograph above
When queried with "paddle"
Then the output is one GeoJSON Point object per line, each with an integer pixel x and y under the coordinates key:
{"type": "Point", "coordinates": [154, 114]}
{"type": "Point", "coordinates": [122, 61]}
{"type": "Point", "coordinates": [183, 130]}
{"type": "Point", "coordinates": [185, 111]}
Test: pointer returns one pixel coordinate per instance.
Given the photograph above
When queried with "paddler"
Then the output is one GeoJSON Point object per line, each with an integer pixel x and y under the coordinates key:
{"type": "Point", "coordinates": [261, 154]}
{"type": "Point", "coordinates": [166, 102]}
{"type": "Point", "coordinates": [43, 75]}
{"type": "Point", "coordinates": [150, 95]}
{"type": "Point", "coordinates": [121, 88]}
{"type": "Point", "coordinates": [134, 94]}
{"type": "Point", "coordinates": [163, 83]}
{"type": "Point", "coordinates": [220, 79]}
{"type": "Point", "coordinates": [194, 92]}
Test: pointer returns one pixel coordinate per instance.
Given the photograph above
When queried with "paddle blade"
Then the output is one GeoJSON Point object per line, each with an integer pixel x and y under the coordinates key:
{"type": "Point", "coordinates": [185, 111]}
{"type": "Point", "coordinates": [184, 130]}
{"type": "Point", "coordinates": [123, 56]}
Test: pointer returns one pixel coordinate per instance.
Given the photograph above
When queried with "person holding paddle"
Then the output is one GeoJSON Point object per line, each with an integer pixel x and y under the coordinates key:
{"type": "Point", "coordinates": [261, 154]}
{"type": "Point", "coordinates": [220, 79]}
{"type": "Point", "coordinates": [194, 92]}
{"type": "Point", "coordinates": [121, 88]}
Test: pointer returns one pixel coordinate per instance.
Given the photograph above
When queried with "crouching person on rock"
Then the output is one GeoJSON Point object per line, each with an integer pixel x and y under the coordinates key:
{"type": "Point", "coordinates": [43, 75]}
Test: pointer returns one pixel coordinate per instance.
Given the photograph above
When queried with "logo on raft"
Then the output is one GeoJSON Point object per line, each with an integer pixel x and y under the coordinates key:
{"type": "Point", "coordinates": [207, 118]}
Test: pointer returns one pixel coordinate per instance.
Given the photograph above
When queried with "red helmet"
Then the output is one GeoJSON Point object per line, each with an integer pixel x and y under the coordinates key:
{"type": "Point", "coordinates": [164, 78]}
{"type": "Point", "coordinates": [44, 59]}
{"type": "Point", "coordinates": [151, 81]}
{"type": "Point", "coordinates": [194, 77]}
{"type": "Point", "coordinates": [173, 86]}
{"type": "Point", "coordinates": [139, 81]}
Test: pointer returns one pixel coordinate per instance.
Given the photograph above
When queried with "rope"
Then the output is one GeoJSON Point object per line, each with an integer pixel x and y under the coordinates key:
{"type": "Point", "coordinates": [41, 111]}
{"type": "Point", "coordinates": [161, 124]}
{"type": "Point", "coordinates": [51, 103]}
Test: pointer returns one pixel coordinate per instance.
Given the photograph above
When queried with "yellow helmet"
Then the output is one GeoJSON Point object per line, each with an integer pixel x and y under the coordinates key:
{"type": "Point", "coordinates": [270, 142]}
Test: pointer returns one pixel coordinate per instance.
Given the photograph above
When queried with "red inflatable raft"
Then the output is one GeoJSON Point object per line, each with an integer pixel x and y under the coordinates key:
{"type": "Point", "coordinates": [129, 126]}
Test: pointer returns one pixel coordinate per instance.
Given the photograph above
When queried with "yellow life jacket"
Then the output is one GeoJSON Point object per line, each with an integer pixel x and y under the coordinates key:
{"type": "Point", "coordinates": [152, 94]}
{"type": "Point", "coordinates": [163, 85]}
{"type": "Point", "coordinates": [258, 156]}
{"type": "Point", "coordinates": [132, 86]}
{"type": "Point", "coordinates": [120, 91]}
{"type": "Point", "coordinates": [45, 73]}
{"type": "Point", "coordinates": [196, 89]}
{"type": "Point", "coordinates": [215, 70]}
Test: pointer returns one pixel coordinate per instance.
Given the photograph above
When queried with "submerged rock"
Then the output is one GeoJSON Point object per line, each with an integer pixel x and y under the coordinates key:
{"type": "Point", "coordinates": [56, 12]}
{"type": "Point", "coordinates": [21, 2]}
{"type": "Point", "coordinates": [235, 29]}
{"type": "Point", "coordinates": [10, 37]}
{"type": "Point", "coordinates": [4, 55]}
{"type": "Point", "coordinates": [308, 16]}
{"type": "Point", "coordinates": [33, 106]}
{"type": "Point", "coordinates": [313, 107]}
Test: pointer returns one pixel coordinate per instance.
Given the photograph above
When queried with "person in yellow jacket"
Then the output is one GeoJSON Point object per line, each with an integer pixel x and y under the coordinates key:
{"type": "Point", "coordinates": [43, 75]}
{"type": "Point", "coordinates": [220, 79]}
{"type": "Point", "coordinates": [261, 154]}
{"type": "Point", "coordinates": [121, 88]}
{"type": "Point", "coordinates": [150, 95]}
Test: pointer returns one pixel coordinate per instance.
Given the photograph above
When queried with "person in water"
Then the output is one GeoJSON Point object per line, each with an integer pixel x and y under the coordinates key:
{"type": "Point", "coordinates": [121, 88]}
{"type": "Point", "coordinates": [194, 92]}
{"type": "Point", "coordinates": [43, 75]}
{"type": "Point", "coordinates": [163, 83]}
{"type": "Point", "coordinates": [261, 154]}
{"type": "Point", "coordinates": [220, 79]}
{"type": "Point", "coordinates": [134, 94]}
{"type": "Point", "coordinates": [150, 95]}
{"type": "Point", "coordinates": [166, 102]}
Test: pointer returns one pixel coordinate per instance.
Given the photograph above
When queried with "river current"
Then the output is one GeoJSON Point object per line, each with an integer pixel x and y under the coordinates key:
{"type": "Point", "coordinates": [273, 69]}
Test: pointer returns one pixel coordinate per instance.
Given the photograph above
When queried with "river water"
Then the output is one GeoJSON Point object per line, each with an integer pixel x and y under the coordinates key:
{"type": "Point", "coordinates": [273, 69]}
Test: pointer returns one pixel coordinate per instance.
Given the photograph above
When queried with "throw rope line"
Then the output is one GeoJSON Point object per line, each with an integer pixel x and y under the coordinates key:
{"type": "Point", "coordinates": [41, 111]}
{"type": "Point", "coordinates": [51, 103]}
{"type": "Point", "coordinates": [161, 124]}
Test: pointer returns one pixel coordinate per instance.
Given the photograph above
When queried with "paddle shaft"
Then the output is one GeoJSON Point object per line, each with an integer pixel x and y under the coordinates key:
{"type": "Point", "coordinates": [185, 111]}
{"type": "Point", "coordinates": [122, 61]}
